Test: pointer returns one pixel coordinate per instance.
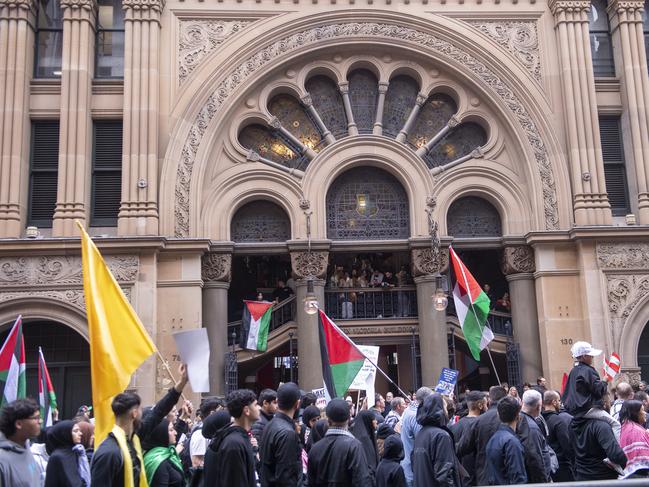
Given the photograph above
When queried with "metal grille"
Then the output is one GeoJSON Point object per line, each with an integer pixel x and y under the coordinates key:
{"type": "Point", "coordinates": [432, 118]}
{"type": "Point", "coordinates": [363, 96]}
{"type": "Point", "coordinates": [271, 145]}
{"type": "Point", "coordinates": [458, 143]}
{"type": "Point", "coordinates": [43, 179]}
{"type": "Point", "coordinates": [513, 363]}
{"type": "Point", "coordinates": [231, 370]}
{"type": "Point", "coordinates": [328, 102]}
{"type": "Point", "coordinates": [399, 100]}
{"type": "Point", "coordinates": [473, 217]}
{"type": "Point", "coordinates": [367, 204]}
{"type": "Point", "coordinates": [295, 119]}
{"type": "Point", "coordinates": [106, 172]}
{"type": "Point", "coordinates": [260, 221]}
{"type": "Point", "coordinates": [614, 170]}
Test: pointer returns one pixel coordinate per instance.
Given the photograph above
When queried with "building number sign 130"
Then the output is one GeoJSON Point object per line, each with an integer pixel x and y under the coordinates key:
{"type": "Point", "coordinates": [566, 341]}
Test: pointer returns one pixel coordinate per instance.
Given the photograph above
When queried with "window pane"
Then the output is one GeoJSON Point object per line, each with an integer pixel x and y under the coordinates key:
{"type": "Point", "coordinates": [49, 51]}
{"type": "Point", "coordinates": [50, 15]}
{"type": "Point", "coordinates": [110, 15]}
{"type": "Point", "coordinates": [597, 19]}
{"type": "Point", "coordinates": [110, 54]}
{"type": "Point", "coordinates": [602, 51]}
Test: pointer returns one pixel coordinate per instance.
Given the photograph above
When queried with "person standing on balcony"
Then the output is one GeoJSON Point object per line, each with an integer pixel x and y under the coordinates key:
{"type": "Point", "coordinates": [346, 297]}
{"type": "Point", "coordinates": [281, 292]}
{"type": "Point", "coordinates": [376, 280]}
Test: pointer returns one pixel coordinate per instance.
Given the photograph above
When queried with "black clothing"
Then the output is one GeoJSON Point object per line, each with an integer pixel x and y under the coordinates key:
{"type": "Point", "coordinates": [582, 389]}
{"type": "Point", "coordinates": [63, 465]}
{"type": "Point", "coordinates": [282, 293]}
{"type": "Point", "coordinates": [595, 441]}
{"type": "Point", "coordinates": [167, 475]}
{"type": "Point", "coordinates": [476, 439]}
{"type": "Point", "coordinates": [537, 457]}
{"type": "Point", "coordinates": [389, 473]}
{"type": "Point", "coordinates": [363, 430]}
{"type": "Point", "coordinates": [461, 430]}
{"type": "Point", "coordinates": [258, 427]}
{"type": "Point", "coordinates": [337, 460]}
{"type": "Point", "coordinates": [561, 440]}
{"type": "Point", "coordinates": [107, 469]}
{"type": "Point", "coordinates": [505, 458]}
{"type": "Point", "coordinates": [214, 426]}
{"type": "Point", "coordinates": [233, 462]}
{"type": "Point", "coordinates": [280, 453]}
{"type": "Point", "coordinates": [317, 433]}
{"type": "Point", "coordinates": [434, 462]}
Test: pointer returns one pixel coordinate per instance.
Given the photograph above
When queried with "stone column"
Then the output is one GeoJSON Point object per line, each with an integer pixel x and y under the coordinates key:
{"type": "Point", "coordinates": [138, 213]}
{"type": "Point", "coordinates": [309, 264]}
{"type": "Point", "coordinates": [326, 133]}
{"type": "Point", "coordinates": [518, 265]}
{"type": "Point", "coordinates": [17, 18]}
{"type": "Point", "coordinates": [277, 125]}
{"type": "Point", "coordinates": [215, 272]}
{"type": "Point", "coordinates": [403, 133]}
{"type": "Point", "coordinates": [378, 123]}
{"type": "Point", "coordinates": [351, 124]}
{"type": "Point", "coordinates": [626, 27]}
{"type": "Point", "coordinates": [591, 204]}
{"type": "Point", "coordinates": [433, 342]}
{"type": "Point", "coordinates": [75, 136]}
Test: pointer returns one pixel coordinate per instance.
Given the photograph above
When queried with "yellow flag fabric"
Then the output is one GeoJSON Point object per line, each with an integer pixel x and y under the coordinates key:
{"type": "Point", "coordinates": [120, 436]}
{"type": "Point", "coordinates": [118, 341]}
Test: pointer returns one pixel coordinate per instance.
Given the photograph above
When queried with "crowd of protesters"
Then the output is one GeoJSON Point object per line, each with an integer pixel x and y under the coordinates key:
{"type": "Point", "coordinates": [280, 438]}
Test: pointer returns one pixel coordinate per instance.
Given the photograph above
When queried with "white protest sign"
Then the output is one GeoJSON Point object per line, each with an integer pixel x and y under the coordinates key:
{"type": "Point", "coordinates": [194, 349]}
{"type": "Point", "coordinates": [322, 398]}
{"type": "Point", "coordinates": [364, 380]}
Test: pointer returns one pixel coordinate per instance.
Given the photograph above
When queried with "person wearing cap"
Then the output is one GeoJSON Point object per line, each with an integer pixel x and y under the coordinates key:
{"type": "Point", "coordinates": [584, 386]}
{"type": "Point", "coordinates": [280, 450]}
{"type": "Point", "coordinates": [338, 458]}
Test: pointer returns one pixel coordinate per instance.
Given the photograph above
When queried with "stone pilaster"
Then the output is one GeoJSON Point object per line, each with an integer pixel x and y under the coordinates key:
{"type": "Point", "coordinates": [215, 273]}
{"type": "Point", "coordinates": [590, 201]}
{"type": "Point", "coordinates": [75, 136]}
{"type": "Point", "coordinates": [17, 19]}
{"type": "Point", "coordinates": [626, 24]}
{"type": "Point", "coordinates": [378, 122]}
{"type": "Point", "coordinates": [138, 214]}
{"type": "Point", "coordinates": [351, 124]}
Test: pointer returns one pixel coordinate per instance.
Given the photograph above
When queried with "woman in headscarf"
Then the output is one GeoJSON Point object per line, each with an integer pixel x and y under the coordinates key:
{"type": "Point", "coordinates": [390, 472]}
{"type": "Point", "coordinates": [317, 433]}
{"type": "Point", "coordinates": [87, 438]}
{"type": "Point", "coordinates": [68, 464]}
{"type": "Point", "coordinates": [161, 461]}
{"type": "Point", "coordinates": [383, 432]}
{"type": "Point", "coordinates": [364, 429]}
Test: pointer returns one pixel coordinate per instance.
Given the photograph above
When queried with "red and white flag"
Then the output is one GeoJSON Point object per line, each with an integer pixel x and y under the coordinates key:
{"type": "Point", "coordinates": [611, 367]}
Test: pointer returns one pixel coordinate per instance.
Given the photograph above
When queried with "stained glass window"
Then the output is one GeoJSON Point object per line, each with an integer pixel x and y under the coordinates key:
{"type": "Point", "coordinates": [271, 145]}
{"type": "Point", "coordinates": [328, 102]}
{"type": "Point", "coordinates": [260, 221]}
{"type": "Point", "coordinates": [459, 142]}
{"type": "Point", "coordinates": [363, 96]}
{"type": "Point", "coordinates": [433, 116]}
{"type": "Point", "coordinates": [399, 100]}
{"type": "Point", "coordinates": [294, 118]}
{"type": "Point", "coordinates": [473, 217]}
{"type": "Point", "coordinates": [367, 203]}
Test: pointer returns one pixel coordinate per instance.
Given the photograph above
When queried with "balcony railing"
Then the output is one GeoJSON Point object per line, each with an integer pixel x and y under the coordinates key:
{"type": "Point", "coordinates": [371, 303]}
{"type": "Point", "coordinates": [497, 319]}
{"type": "Point", "coordinates": [282, 313]}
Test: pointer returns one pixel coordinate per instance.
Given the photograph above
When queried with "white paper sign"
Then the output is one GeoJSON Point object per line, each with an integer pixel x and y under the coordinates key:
{"type": "Point", "coordinates": [322, 397]}
{"type": "Point", "coordinates": [194, 349]}
{"type": "Point", "coordinates": [364, 380]}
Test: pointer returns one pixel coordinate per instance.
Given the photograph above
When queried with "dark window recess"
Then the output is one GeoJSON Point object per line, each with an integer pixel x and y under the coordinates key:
{"type": "Point", "coordinates": [43, 172]}
{"type": "Point", "coordinates": [600, 40]}
{"type": "Point", "coordinates": [614, 168]}
{"type": "Point", "coordinates": [106, 172]}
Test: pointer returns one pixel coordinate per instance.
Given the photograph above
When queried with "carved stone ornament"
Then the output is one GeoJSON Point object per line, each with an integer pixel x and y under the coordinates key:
{"type": "Point", "coordinates": [70, 297]}
{"type": "Point", "coordinates": [155, 5]}
{"type": "Point", "coordinates": [518, 259]}
{"type": "Point", "coordinates": [426, 41]}
{"type": "Point", "coordinates": [89, 5]}
{"type": "Point", "coordinates": [634, 255]}
{"type": "Point", "coordinates": [19, 4]}
{"type": "Point", "coordinates": [518, 37]}
{"type": "Point", "coordinates": [198, 38]}
{"type": "Point", "coordinates": [624, 292]}
{"type": "Point", "coordinates": [630, 7]}
{"type": "Point", "coordinates": [307, 264]}
{"type": "Point", "coordinates": [216, 267]}
{"type": "Point", "coordinates": [630, 375]}
{"type": "Point", "coordinates": [425, 263]}
{"type": "Point", "coordinates": [559, 7]}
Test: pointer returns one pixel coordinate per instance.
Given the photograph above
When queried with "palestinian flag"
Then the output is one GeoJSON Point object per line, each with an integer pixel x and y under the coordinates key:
{"type": "Point", "coordinates": [46, 395]}
{"type": "Point", "coordinates": [255, 325]}
{"type": "Point", "coordinates": [472, 307]}
{"type": "Point", "coordinates": [12, 365]}
{"type": "Point", "coordinates": [341, 359]}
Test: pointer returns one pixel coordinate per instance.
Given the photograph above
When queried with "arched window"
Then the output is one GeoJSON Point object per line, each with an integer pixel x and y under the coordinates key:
{"type": "Point", "coordinates": [459, 142]}
{"type": "Point", "coordinates": [328, 102]}
{"type": "Point", "coordinates": [366, 203]}
{"type": "Point", "coordinates": [643, 352]}
{"type": "Point", "coordinates": [399, 100]}
{"type": "Point", "coordinates": [294, 118]}
{"type": "Point", "coordinates": [432, 118]}
{"type": "Point", "coordinates": [271, 145]}
{"type": "Point", "coordinates": [363, 96]}
{"type": "Point", "coordinates": [473, 217]}
{"type": "Point", "coordinates": [260, 221]}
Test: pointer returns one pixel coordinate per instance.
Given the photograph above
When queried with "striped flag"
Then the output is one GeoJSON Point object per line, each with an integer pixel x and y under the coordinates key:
{"type": "Point", "coordinates": [611, 367]}
{"type": "Point", "coordinates": [46, 395]}
{"type": "Point", "coordinates": [255, 324]}
{"type": "Point", "coordinates": [12, 365]}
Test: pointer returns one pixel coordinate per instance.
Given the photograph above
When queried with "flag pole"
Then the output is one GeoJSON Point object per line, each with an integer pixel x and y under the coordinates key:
{"type": "Point", "coordinates": [493, 365]}
{"type": "Point", "coordinates": [166, 366]}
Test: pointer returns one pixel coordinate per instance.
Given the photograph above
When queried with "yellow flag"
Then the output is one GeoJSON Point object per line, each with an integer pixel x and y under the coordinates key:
{"type": "Point", "coordinates": [118, 341]}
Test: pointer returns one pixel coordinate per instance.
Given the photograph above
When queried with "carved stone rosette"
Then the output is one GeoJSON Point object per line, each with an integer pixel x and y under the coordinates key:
{"type": "Point", "coordinates": [216, 267]}
{"type": "Point", "coordinates": [309, 264]}
{"type": "Point", "coordinates": [518, 259]}
{"type": "Point", "coordinates": [425, 263]}
{"type": "Point", "coordinates": [623, 255]}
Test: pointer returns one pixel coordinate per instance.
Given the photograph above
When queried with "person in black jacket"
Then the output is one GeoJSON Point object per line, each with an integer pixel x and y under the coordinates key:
{"type": "Point", "coordinates": [364, 429]}
{"type": "Point", "coordinates": [234, 459]}
{"type": "Point", "coordinates": [267, 401]}
{"type": "Point", "coordinates": [537, 454]}
{"type": "Point", "coordinates": [280, 450]}
{"type": "Point", "coordinates": [584, 385]}
{"type": "Point", "coordinates": [107, 469]}
{"type": "Point", "coordinates": [595, 441]}
{"type": "Point", "coordinates": [389, 473]}
{"type": "Point", "coordinates": [434, 462]}
{"type": "Point", "coordinates": [477, 404]}
{"type": "Point", "coordinates": [337, 460]}
{"type": "Point", "coordinates": [317, 433]}
{"type": "Point", "coordinates": [505, 453]}
{"type": "Point", "coordinates": [68, 463]}
{"type": "Point", "coordinates": [560, 436]}
{"type": "Point", "coordinates": [213, 428]}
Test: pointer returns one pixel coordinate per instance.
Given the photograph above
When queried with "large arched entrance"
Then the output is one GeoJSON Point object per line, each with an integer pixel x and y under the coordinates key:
{"type": "Point", "coordinates": [643, 352]}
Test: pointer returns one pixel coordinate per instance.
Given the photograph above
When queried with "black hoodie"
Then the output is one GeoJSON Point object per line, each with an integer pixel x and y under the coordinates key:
{"type": "Point", "coordinates": [389, 472]}
{"type": "Point", "coordinates": [233, 464]}
{"type": "Point", "coordinates": [62, 467]}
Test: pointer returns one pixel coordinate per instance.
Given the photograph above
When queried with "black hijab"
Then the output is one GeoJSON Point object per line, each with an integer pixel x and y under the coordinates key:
{"type": "Point", "coordinates": [317, 433]}
{"type": "Point", "coordinates": [215, 422]}
{"type": "Point", "coordinates": [363, 430]}
{"type": "Point", "coordinates": [159, 436]}
{"type": "Point", "coordinates": [63, 466]}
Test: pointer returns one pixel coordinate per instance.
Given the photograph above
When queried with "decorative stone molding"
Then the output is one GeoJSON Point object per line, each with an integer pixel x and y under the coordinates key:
{"type": "Point", "coordinates": [70, 297]}
{"type": "Point", "coordinates": [18, 4]}
{"type": "Point", "coordinates": [306, 100]}
{"type": "Point", "coordinates": [518, 37]}
{"type": "Point", "coordinates": [453, 121]}
{"type": "Point", "coordinates": [629, 7]}
{"type": "Point", "coordinates": [559, 7]}
{"type": "Point", "coordinates": [308, 264]}
{"type": "Point", "coordinates": [631, 375]}
{"type": "Point", "coordinates": [623, 255]}
{"type": "Point", "coordinates": [155, 5]}
{"type": "Point", "coordinates": [624, 292]}
{"type": "Point", "coordinates": [351, 30]}
{"type": "Point", "coordinates": [89, 5]}
{"type": "Point", "coordinates": [424, 263]}
{"type": "Point", "coordinates": [216, 267]}
{"type": "Point", "coordinates": [517, 260]}
{"type": "Point", "coordinates": [199, 38]}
